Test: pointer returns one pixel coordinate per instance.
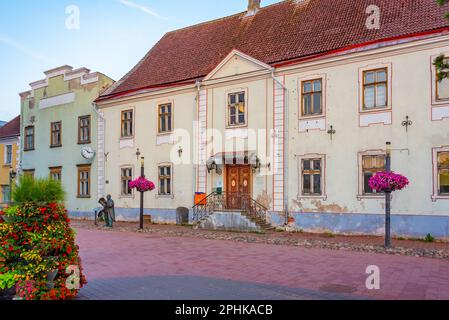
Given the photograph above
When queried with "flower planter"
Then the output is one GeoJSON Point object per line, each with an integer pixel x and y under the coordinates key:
{"type": "Point", "coordinates": [7, 294]}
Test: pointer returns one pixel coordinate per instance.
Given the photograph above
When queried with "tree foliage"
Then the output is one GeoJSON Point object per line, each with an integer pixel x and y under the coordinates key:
{"type": "Point", "coordinates": [441, 64]}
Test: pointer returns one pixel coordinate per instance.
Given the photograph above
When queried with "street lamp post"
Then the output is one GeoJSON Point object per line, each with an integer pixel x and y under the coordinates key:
{"type": "Point", "coordinates": [388, 201]}
{"type": "Point", "coordinates": [142, 174]}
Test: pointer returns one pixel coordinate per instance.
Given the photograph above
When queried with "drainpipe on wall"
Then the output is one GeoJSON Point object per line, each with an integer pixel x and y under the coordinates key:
{"type": "Point", "coordinates": [286, 145]}
{"type": "Point", "coordinates": [194, 142]}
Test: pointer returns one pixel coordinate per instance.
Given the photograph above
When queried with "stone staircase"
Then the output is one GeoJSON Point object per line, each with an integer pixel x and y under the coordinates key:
{"type": "Point", "coordinates": [217, 212]}
{"type": "Point", "coordinates": [234, 221]}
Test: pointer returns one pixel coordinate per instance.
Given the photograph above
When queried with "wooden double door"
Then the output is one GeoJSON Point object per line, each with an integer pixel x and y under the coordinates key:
{"type": "Point", "coordinates": [238, 186]}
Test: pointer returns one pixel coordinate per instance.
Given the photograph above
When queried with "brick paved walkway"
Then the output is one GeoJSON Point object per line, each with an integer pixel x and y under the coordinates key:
{"type": "Point", "coordinates": [122, 265]}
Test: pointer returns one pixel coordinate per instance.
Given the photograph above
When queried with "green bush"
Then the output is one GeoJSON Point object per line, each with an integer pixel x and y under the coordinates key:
{"type": "Point", "coordinates": [34, 190]}
{"type": "Point", "coordinates": [7, 280]}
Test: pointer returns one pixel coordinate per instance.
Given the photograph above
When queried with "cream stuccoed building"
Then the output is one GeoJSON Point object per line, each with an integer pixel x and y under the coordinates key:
{"type": "Point", "coordinates": [287, 108]}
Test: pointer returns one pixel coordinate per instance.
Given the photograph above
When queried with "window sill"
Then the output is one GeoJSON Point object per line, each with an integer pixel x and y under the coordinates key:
{"type": "Point", "coordinates": [164, 196]}
{"type": "Point", "coordinates": [435, 198]}
{"type": "Point", "coordinates": [312, 117]}
{"type": "Point", "coordinates": [243, 126]}
{"type": "Point", "coordinates": [304, 197]}
{"type": "Point", "coordinates": [163, 134]}
{"type": "Point", "coordinates": [375, 110]}
{"type": "Point", "coordinates": [127, 138]}
{"type": "Point", "coordinates": [440, 102]}
{"type": "Point", "coordinates": [83, 197]}
{"type": "Point", "coordinates": [86, 142]}
{"type": "Point", "coordinates": [371, 196]}
{"type": "Point", "coordinates": [28, 150]}
{"type": "Point", "coordinates": [56, 146]}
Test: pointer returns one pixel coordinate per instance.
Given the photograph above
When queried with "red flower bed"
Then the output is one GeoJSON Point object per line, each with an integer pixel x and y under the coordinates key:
{"type": "Point", "coordinates": [35, 241]}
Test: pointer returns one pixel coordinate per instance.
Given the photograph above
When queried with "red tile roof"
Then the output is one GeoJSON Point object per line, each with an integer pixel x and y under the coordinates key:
{"type": "Point", "coordinates": [11, 129]}
{"type": "Point", "coordinates": [279, 32]}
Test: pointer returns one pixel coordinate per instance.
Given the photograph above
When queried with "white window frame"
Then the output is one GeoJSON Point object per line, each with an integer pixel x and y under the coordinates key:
{"type": "Point", "coordinates": [227, 113]}
{"type": "Point", "coordinates": [132, 177]}
{"type": "Point", "coordinates": [436, 179]}
{"type": "Point", "coordinates": [6, 154]}
{"type": "Point", "coordinates": [323, 78]}
{"type": "Point", "coordinates": [172, 176]}
{"type": "Point", "coordinates": [368, 68]}
{"type": "Point", "coordinates": [361, 195]}
{"type": "Point", "coordinates": [312, 156]}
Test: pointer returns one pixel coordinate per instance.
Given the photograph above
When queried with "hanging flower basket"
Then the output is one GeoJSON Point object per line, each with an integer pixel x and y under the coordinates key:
{"type": "Point", "coordinates": [142, 185]}
{"type": "Point", "coordinates": [388, 182]}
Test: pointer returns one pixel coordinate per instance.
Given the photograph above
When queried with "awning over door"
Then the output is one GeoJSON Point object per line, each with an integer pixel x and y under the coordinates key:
{"type": "Point", "coordinates": [239, 157]}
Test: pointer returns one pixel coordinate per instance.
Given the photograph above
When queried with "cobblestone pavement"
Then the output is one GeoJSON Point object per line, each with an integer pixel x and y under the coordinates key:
{"type": "Point", "coordinates": [370, 244]}
{"type": "Point", "coordinates": [150, 266]}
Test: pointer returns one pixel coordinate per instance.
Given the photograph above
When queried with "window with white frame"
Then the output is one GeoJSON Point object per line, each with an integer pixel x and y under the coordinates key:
{"type": "Point", "coordinates": [84, 186]}
{"type": "Point", "coordinates": [165, 115]}
{"type": "Point", "coordinates": [443, 173]}
{"type": "Point", "coordinates": [126, 178]}
{"type": "Point", "coordinates": [236, 109]}
{"type": "Point", "coordinates": [312, 177]}
{"type": "Point", "coordinates": [56, 173]}
{"type": "Point", "coordinates": [6, 192]}
{"type": "Point", "coordinates": [312, 98]}
{"type": "Point", "coordinates": [375, 89]}
{"type": "Point", "coordinates": [165, 180]}
{"type": "Point", "coordinates": [371, 165]}
{"type": "Point", "coordinates": [8, 154]}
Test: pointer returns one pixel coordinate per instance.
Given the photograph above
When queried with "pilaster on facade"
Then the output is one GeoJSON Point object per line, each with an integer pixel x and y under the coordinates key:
{"type": "Point", "coordinates": [101, 127]}
{"type": "Point", "coordinates": [278, 144]}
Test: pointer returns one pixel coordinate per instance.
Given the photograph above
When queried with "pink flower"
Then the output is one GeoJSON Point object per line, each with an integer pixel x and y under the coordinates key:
{"type": "Point", "coordinates": [383, 181]}
{"type": "Point", "coordinates": [142, 185]}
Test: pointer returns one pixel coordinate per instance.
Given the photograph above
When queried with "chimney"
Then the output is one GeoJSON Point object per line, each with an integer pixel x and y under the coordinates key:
{"type": "Point", "coordinates": [253, 7]}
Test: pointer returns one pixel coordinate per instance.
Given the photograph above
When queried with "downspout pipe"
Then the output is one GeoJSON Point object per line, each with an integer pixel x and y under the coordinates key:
{"type": "Point", "coordinates": [194, 140]}
{"type": "Point", "coordinates": [286, 144]}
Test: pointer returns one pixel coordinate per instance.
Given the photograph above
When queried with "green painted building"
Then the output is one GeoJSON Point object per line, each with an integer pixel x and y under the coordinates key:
{"type": "Point", "coordinates": [59, 129]}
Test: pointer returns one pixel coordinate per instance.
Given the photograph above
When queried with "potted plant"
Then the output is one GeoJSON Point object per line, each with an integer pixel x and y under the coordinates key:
{"type": "Point", "coordinates": [7, 283]}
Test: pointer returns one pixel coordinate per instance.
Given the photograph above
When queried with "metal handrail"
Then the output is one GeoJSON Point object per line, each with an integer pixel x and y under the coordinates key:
{"type": "Point", "coordinates": [230, 201]}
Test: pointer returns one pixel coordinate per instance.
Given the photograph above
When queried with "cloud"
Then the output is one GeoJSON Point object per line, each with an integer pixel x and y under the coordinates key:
{"type": "Point", "coordinates": [141, 7]}
{"type": "Point", "coordinates": [21, 48]}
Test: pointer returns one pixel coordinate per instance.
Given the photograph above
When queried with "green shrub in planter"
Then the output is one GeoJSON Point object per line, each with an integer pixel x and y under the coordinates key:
{"type": "Point", "coordinates": [37, 191]}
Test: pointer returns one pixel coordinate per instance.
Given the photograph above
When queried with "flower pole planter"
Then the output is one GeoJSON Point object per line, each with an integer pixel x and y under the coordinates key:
{"type": "Point", "coordinates": [142, 185]}
{"type": "Point", "coordinates": [388, 182]}
{"type": "Point", "coordinates": [142, 175]}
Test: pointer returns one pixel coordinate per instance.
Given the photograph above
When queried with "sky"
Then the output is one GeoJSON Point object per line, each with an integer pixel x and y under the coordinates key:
{"type": "Point", "coordinates": [110, 36]}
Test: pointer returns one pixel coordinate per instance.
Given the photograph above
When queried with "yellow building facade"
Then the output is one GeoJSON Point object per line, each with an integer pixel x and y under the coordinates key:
{"type": "Point", "coordinates": [9, 157]}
